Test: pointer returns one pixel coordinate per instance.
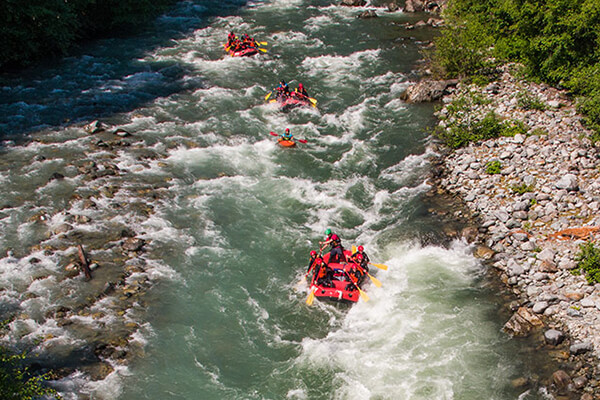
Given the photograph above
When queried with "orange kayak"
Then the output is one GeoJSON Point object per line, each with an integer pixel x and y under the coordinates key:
{"type": "Point", "coordinates": [286, 143]}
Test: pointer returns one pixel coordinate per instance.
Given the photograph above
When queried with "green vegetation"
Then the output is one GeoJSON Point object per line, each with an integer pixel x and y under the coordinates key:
{"type": "Point", "coordinates": [588, 262]}
{"type": "Point", "coordinates": [34, 29]}
{"type": "Point", "coordinates": [528, 102]}
{"type": "Point", "coordinates": [557, 41]}
{"type": "Point", "coordinates": [17, 383]}
{"type": "Point", "coordinates": [522, 188]}
{"type": "Point", "coordinates": [493, 167]}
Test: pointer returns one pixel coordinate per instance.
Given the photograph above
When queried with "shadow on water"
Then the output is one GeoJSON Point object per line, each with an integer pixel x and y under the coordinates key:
{"type": "Point", "coordinates": [105, 77]}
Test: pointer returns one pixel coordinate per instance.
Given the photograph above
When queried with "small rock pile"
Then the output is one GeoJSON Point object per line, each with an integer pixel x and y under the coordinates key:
{"type": "Point", "coordinates": [535, 209]}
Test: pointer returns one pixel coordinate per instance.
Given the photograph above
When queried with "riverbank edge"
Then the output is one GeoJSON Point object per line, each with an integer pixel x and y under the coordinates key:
{"type": "Point", "coordinates": [531, 216]}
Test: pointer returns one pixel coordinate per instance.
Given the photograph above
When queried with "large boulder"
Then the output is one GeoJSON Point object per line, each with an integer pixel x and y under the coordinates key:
{"type": "Point", "coordinates": [423, 5]}
{"type": "Point", "coordinates": [353, 3]}
{"type": "Point", "coordinates": [522, 323]}
{"type": "Point", "coordinates": [367, 14]}
{"type": "Point", "coordinates": [428, 90]}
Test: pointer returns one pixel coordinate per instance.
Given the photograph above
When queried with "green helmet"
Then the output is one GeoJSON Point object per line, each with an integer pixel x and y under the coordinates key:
{"type": "Point", "coordinates": [327, 231]}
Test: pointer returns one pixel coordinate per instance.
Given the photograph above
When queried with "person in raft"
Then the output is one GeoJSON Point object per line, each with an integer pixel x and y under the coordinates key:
{"type": "Point", "coordinates": [337, 251]}
{"type": "Point", "coordinates": [282, 89]}
{"type": "Point", "coordinates": [286, 135]}
{"type": "Point", "coordinates": [364, 258]}
{"type": "Point", "coordinates": [358, 269]}
{"type": "Point", "coordinates": [300, 91]}
{"type": "Point", "coordinates": [311, 262]}
{"type": "Point", "coordinates": [230, 38]}
{"type": "Point", "coordinates": [324, 273]}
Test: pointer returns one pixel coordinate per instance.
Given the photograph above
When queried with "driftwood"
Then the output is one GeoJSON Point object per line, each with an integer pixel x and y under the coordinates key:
{"type": "Point", "coordinates": [583, 233]}
{"type": "Point", "coordinates": [85, 264]}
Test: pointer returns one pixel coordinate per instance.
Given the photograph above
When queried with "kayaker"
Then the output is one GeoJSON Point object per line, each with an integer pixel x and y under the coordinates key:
{"type": "Point", "coordinates": [286, 135]}
{"type": "Point", "coordinates": [337, 251]}
{"type": "Point", "coordinates": [324, 273]}
{"type": "Point", "coordinates": [311, 262]}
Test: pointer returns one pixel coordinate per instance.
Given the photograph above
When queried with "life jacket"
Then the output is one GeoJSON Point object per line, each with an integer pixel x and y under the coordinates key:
{"type": "Point", "coordinates": [322, 271]}
{"type": "Point", "coordinates": [335, 241]}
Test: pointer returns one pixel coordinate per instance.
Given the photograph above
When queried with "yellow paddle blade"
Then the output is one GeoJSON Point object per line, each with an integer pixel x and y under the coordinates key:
{"type": "Point", "coordinates": [311, 297]}
{"type": "Point", "coordinates": [374, 280]}
{"type": "Point", "coordinates": [263, 43]}
{"type": "Point", "coordinates": [363, 295]}
{"type": "Point", "coordinates": [268, 95]}
{"type": "Point", "coordinates": [263, 50]}
{"type": "Point", "coordinates": [314, 101]}
{"type": "Point", "coordinates": [353, 249]}
{"type": "Point", "coordinates": [380, 266]}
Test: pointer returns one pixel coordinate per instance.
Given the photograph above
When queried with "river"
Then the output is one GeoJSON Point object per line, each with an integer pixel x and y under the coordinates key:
{"type": "Point", "coordinates": [234, 216]}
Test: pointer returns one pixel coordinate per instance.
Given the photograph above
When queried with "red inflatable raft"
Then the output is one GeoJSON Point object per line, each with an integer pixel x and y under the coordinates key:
{"type": "Point", "coordinates": [248, 51]}
{"type": "Point", "coordinates": [341, 289]}
{"type": "Point", "coordinates": [291, 101]}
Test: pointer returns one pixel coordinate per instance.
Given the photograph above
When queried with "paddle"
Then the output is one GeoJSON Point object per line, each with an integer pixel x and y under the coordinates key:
{"type": "Point", "coordinates": [354, 249]}
{"type": "Point", "coordinates": [374, 280]}
{"type": "Point", "coordinates": [261, 49]}
{"type": "Point", "coordinates": [380, 266]}
{"type": "Point", "coordinates": [268, 95]}
{"type": "Point", "coordinates": [263, 43]}
{"type": "Point", "coordinates": [363, 295]}
{"type": "Point", "coordinates": [311, 296]}
{"type": "Point", "coordinates": [314, 101]}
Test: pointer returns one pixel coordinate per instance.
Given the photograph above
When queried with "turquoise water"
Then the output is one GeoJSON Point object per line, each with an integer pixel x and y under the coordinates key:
{"type": "Point", "coordinates": [237, 216]}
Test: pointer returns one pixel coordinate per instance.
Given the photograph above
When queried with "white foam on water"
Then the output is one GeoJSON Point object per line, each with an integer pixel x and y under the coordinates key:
{"type": "Point", "coordinates": [318, 22]}
{"type": "Point", "coordinates": [290, 38]}
{"type": "Point", "coordinates": [336, 71]}
{"type": "Point", "coordinates": [245, 159]}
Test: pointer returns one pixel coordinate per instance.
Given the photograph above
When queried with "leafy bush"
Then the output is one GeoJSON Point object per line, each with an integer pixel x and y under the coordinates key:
{"type": "Point", "coordinates": [493, 167]}
{"type": "Point", "coordinates": [17, 383]}
{"type": "Point", "coordinates": [588, 261]}
{"type": "Point", "coordinates": [556, 41]}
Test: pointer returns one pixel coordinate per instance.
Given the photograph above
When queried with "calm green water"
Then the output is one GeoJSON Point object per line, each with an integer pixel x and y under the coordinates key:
{"type": "Point", "coordinates": [226, 318]}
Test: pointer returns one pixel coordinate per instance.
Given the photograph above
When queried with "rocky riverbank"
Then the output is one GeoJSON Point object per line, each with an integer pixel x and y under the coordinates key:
{"type": "Point", "coordinates": [536, 197]}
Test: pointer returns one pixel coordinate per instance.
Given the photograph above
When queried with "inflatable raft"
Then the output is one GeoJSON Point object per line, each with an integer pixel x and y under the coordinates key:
{"type": "Point", "coordinates": [341, 289]}
{"type": "Point", "coordinates": [248, 51]}
{"type": "Point", "coordinates": [288, 102]}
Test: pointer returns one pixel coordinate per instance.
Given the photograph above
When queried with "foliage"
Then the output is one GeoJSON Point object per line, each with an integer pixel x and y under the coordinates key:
{"type": "Point", "coordinates": [558, 42]}
{"type": "Point", "coordinates": [33, 29]}
{"type": "Point", "coordinates": [17, 383]}
{"type": "Point", "coordinates": [588, 261]}
{"type": "Point", "coordinates": [493, 167]}
{"type": "Point", "coordinates": [522, 188]}
{"type": "Point", "coordinates": [529, 102]}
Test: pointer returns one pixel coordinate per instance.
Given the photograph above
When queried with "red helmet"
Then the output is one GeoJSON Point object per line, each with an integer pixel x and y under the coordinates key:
{"type": "Point", "coordinates": [359, 256]}
{"type": "Point", "coordinates": [287, 130]}
{"type": "Point", "coordinates": [300, 86]}
{"type": "Point", "coordinates": [319, 260]}
{"type": "Point", "coordinates": [360, 248]}
{"type": "Point", "coordinates": [313, 253]}
{"type": "Point", "coordinates": [335, 237]}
